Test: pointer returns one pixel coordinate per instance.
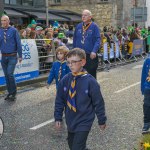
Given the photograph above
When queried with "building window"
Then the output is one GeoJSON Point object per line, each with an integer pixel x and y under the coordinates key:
{"type": "Point", "coordinates": [15, 2]}
{"type": "Point", "coordinates": [99, 1]}
{"type": "Point", "coordinates": [55, 2]}
{"type": "Point", "coordinates": [6, 1]}
{"type": "Point", "coordinates": [27, 2]}
{"type": "Point", "coordinates": [19, 2]}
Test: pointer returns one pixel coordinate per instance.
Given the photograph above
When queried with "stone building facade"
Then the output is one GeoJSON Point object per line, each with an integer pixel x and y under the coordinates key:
{"type": "Point", "coordinates": [102, 11]}
{"type": "Point", "coordinates": [105, 12]}
{"type": "Point", "coordinates": [127, 5]}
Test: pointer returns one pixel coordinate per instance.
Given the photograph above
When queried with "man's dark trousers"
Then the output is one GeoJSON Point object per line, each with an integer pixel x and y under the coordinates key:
{"type": "Point", "coordinates": [91, 65]}
{"type": "Point", "coordinates": [8, 64]}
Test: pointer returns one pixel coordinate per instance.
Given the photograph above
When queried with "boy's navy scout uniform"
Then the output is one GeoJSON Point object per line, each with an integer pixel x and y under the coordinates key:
{"type": "Point", "coordinates": [145, 89]}
{"type": "Point", "coordinates": [89, 102]}
{"type": "Point", "coordinates": [54, 72]}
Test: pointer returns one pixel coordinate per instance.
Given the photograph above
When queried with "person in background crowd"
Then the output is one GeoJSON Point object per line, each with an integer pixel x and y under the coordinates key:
{"type": "Point", "coordinates": [87, 37]}
{"type": "Point", "coordinates": [23, 34]}
{"type": "Point", "coordinates": [70, 41]}
{"type": "Point", "coordinates": [28, 31]}
{"type": "Point", "coordinates": [9, 47]}
{"type": "Point", "coordinates": [70, 31]}
{"type": "Point", "coordinates": [59, 68]}
{"type": "Point", "coordinates": [145, 89]}
{"type": "Point", "coordinates": [39, 34]}
{"type": "Point", "coordinates": [80, 97]}
{"type": "Point", "coordinates": [32, 35]}
{"type": "Point", "coordinates": [59, 40]}
{"type": "Point", "coordinates": [133, 36]}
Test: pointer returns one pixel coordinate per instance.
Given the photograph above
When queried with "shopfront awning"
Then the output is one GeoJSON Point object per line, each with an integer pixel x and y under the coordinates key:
{"type": "Point", "coordinates": [14, 13]}
{"type": "Point", "coordinates": [42, 15]}
{"type": "Point", "coordinates": [71, 16]}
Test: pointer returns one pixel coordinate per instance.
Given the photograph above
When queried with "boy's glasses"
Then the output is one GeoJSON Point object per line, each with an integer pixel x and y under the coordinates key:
{"type": "Point", "coordinates": [73, 62]}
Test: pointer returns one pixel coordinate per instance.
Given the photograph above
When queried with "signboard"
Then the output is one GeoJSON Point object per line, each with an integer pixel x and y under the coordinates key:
{"type": "Point", "coordinates": [137, 47]}
{"type": "Point", "coordinates": [29, 67]}
{"type": "Point", "coordinates": [139, 14]}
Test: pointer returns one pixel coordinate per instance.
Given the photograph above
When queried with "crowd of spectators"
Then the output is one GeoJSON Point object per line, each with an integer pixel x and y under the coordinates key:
{"type": "Point", "coordinates": [62, 35]}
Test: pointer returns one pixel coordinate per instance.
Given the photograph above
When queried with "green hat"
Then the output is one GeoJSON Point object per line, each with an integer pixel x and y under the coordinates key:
{"type": "Point", "coordinates": [61, 35]}
{"type": "Point", "coordinates": [33, 21]}
{"type": "Point", "coordinates": [38, 28]}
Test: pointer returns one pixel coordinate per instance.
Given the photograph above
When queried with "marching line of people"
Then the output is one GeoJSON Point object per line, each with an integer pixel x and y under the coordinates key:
{"type": "Point", "coordinates": [78, 93]}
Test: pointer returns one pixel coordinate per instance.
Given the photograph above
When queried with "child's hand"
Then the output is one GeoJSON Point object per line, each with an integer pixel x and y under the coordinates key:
{"type": "Point", "coordinates": [58, 124]}
{"type": "Point", "coordinates": [102, 127]}
{"type": "Point", "coordinates": [47, 86]}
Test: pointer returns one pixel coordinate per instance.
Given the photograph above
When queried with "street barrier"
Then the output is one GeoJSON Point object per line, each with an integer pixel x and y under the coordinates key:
{"type": "Point", "coordinates": [46, 54]}
{"type": "Point", "coordinates": [39, 54]}
{"type": "Point", "coordinates": [138, 49]}
{"type": "Point", "coordinates": [36, 60]}
{"type": "Point", "coordinates": [113, 55]}
{"type": "Point", "coordinates": [29, 68]}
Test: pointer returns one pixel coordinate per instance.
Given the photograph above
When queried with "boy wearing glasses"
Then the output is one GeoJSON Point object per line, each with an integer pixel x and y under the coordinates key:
{"type": "Point", "coordinates": [59, 68]}
{"type": "Point", "coordinates": [80, 97]}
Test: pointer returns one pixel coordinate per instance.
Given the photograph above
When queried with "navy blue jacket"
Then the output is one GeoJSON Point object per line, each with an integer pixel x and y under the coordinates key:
{"type": "Point", "coordinates": [13, 44]}
{"type": "Point", "coordinates": [89, 101]}
{"type": "Point", "coordinates": [55, 71]}
{"type": "Point", "coordinates": [92, 38]}
{"type": "Point", "coordinates": [145, 84]}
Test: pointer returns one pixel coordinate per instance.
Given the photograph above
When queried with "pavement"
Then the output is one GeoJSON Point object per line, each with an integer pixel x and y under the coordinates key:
{"type": "Point", "coordinates": [1, 128]}
{"type": "Point", "coordinates": [29, 122]}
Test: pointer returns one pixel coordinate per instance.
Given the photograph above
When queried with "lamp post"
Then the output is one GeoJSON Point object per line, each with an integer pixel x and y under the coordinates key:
{"type": "Point", "coordinates": [47, 19]}
{"type": "Point", "coordinates": [123, 14]}
{"type": "Point", "coordinates": [1, 7]}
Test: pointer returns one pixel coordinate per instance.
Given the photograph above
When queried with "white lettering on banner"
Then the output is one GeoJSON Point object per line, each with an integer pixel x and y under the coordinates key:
{"type": "Point", "coordinates": [18, 66]}
{"type": "Point", "coordinates": [25, 51]}
{"type": "Point", "coordinates": [22, 77]}
{"type": "Point", "coordinates": [29, 67]}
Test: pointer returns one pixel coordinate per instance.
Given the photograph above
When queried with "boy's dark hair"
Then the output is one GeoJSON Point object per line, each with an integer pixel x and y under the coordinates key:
{"type": "Point", "coordinates": [77, 52]}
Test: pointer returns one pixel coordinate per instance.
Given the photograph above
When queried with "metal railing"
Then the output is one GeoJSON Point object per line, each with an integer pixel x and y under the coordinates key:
{"type": "Point", "coordinates": [46, 53]}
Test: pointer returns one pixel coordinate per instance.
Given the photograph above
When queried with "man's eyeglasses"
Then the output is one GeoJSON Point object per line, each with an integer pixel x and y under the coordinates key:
{"type": "Point", "coordinates": [73, 62]}
{"type": "Point", "coordinates": [85, 15]}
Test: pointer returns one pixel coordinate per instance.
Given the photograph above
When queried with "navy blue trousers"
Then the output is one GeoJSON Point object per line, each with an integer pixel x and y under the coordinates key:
{"type": "Point", "coordinates": [77, 140]}
{"type": "Point", "coordinates": [146, 106]}
{"type": "Point", "coordinates": [91, 65]}
{"type": "Point", "coordinates": [8, 64]}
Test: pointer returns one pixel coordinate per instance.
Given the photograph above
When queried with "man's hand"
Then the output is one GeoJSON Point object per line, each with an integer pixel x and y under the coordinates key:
{"type": "Point", "coordinates": [20, 60]}
{"type": "Point", "coordinates": [102, 127]}
{"type": "Point", "coordinates": [92, 55]}
{"type": "Point", "coordinates": [58, 125]}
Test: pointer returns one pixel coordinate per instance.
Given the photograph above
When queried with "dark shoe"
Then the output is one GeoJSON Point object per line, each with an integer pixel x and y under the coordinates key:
{"type": "Point", "coordinates": [12, 98]}
{"type": "Point", "coordinates": [7, 97]}
{"type": "Point", "coordinates": [146, 128]}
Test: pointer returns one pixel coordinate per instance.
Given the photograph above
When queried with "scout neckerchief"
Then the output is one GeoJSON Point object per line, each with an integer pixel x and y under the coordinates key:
{"type": "Point", "coordinates": [148, 78]}
{"type": "Point", "coordinates": [5, 39]}
{"type": "Point", "coordinates": [60, 70]}
{"type": "Point", "coordinates": [71, 101]}
{"type": "Point", "coordinates": [84, 29]}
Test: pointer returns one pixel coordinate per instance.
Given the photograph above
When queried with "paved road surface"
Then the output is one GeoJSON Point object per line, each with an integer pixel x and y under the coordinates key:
{"type": "Point", "coordinates": [29, 123]}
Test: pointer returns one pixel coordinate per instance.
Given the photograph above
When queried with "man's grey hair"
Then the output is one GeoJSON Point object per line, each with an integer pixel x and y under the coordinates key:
{"type": "Point", "coordinates": [87, 11]}
{"type": "Point", "coordinates": [5, 16]}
